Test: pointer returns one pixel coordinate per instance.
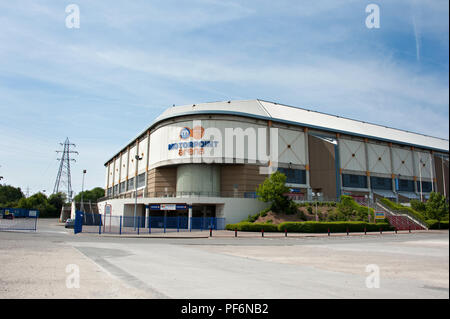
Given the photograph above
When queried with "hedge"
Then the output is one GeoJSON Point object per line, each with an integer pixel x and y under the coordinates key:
{"type": "Point", "coordinates": [334, 227]}
{"type": "Point", "coordinates": [247, 226]}
{"type": "Point", "coordinates": [434, 224]}
{"type": "Point", "coordinates": [311, 227]}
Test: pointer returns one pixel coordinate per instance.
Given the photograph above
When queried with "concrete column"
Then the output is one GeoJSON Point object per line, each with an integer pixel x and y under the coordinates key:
{"type": "Point", "coordinates": [147, 213]}
{"type": "Point", "coordinates": [308, 184]}
{"type": "Point", "coordinates": [189, 216]}
{"type": "Point", "coordinates": [432, 173]}
{"type": "Point", "coordinates": [414, 169]}
{"type": "Point", "coordinates": [366, 150]}
{"type": "Point", "coordinates": [337, 163]}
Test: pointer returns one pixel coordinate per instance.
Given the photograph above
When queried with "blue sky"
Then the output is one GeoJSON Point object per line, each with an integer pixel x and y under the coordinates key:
{"type": "Point", "coordinates": [102, 84]}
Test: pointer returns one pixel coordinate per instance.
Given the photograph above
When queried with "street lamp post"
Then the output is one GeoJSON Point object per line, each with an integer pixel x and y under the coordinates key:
{"type": "Point", "coordinates": [82, 191]}
{"type": "Point", "coordinates": [316, 196]}
{"type": "Point", "coordinates": [420, 178]}
{"type": "Point", "coordinates": [138, 158]}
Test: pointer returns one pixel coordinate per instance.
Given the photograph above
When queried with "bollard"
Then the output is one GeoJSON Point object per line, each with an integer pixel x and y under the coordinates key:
{"type": "Point", "coordinates": [235, 232]}
{"type": "Point", "coordinates": [328, 232]}
{"type": "Point", "coordinates": [262, 232]}
{"type": "Point", "coordinates": [365, 230]}
{"type": "Point", "coordinates": [139, 221]}
{"type": "Point", "coordinates": [149, 225]}
{"type": "Point", "coordinates": [210, 232]}
{"type": "Point", "coordinates": [120, 226]}
{"type": "Point", "coordinates": [285, 232]}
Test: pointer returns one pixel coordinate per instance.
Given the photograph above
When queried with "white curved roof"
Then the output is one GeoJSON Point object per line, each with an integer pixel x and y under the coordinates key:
{"type": "Point", "coordinates": [308, 118]}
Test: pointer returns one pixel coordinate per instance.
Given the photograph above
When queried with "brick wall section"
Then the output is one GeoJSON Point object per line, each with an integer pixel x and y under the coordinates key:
{"type": "Point", "coordinates": [160, 178]}
{"type": "Point", "coordinates": [439, 178]}
{"type": "Point", "coordinates": [322, 166]}
{"type": "Point", "coordinates": [246, 177]}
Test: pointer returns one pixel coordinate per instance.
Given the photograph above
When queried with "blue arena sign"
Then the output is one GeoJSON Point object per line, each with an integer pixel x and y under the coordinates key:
{"type": "Point", "coordinates": [192, 144]}
{"type": "Point", "coordinates": [161, 206]}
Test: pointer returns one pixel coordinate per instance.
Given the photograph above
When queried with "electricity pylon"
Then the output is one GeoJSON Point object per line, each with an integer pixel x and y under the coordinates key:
{"type": "Point", "coordinates": [63, 179]}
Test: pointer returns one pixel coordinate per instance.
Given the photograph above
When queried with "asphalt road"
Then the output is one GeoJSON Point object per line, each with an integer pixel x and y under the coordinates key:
{"type": "Point", "coordinates": [409, 265]}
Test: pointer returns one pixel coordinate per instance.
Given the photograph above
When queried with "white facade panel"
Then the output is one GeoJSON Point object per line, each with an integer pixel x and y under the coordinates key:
{"type": "Point", "coordinates": [423, 162]}
{"type": "Point", "coordinates": [402, 162]}
{"type": "Point", "coordinates": [352, 155]}
{"type": "Point", "coordinates": [124, 167]}
{"type": "Point", "coordinates": [116, 171]}
{"type": "Point", "coordinates": [291, 147]}
{"type": "Point", "coordinates": [379, 158]}
{"type": "Point", "coordinates": [110, 174]}
{"type": "Point", "coordinates": [143, 148]}
{"type": "Point", "coordinates": [106, 176]}
{"type": "Point", "coordinates": [132, 162]}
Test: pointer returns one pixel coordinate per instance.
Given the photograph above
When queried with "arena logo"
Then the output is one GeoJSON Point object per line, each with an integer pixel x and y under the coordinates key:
{"type": "Point", "coordinates": [229, 145]}
{"type": "Point", "coordinates": [192, 147]}
{"type": "Point", "coordinates": [197, 132]}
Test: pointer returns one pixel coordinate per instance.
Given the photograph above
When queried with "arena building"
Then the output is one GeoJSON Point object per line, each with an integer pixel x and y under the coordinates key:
{"type": "Point", "coordinates": [206, 160]}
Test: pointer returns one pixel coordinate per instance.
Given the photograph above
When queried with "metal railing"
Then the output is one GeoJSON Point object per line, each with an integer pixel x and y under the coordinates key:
{"type": "Point", "coordinates": [101, 223]}
{"type": "Point", "coordinates": [396, 212]}
{"type": "Point", "coordinates": [12, 219]}
{"type": "Point", "coordinates": [131, 194]}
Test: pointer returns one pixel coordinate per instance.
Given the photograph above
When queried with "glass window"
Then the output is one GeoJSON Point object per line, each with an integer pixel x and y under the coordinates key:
{"type": "Point", "coordinates": [381, 183]}
{"type": "Point", "coordinates": [141, 180]}
{"type": "Point", "coordinates": [123, 187]}
{"type": "Point", "coordinates": [294, 176]}
{"type": "Point", "coordinates": [354, 181]}
{"type": "Point", "coordinates": [405, 185]}
{"type": "Point", "coordinates": [131, 184]}
{"type": "Point", "coordinates": [426, 187]}
{"type": "Point", "coordinates": [116, 189]}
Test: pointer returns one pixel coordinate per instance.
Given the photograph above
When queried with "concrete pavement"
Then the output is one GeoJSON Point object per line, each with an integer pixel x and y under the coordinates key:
{"type": "Point", "coordinates": [412, 265]}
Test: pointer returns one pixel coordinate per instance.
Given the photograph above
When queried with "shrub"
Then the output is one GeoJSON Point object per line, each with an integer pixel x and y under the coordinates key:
{"type": "Point", "coordinates": [348, 209]}
{"type": "Point", "coordinates": [435, 224]}
{"type": "Point", "coordinates": [313, 227]}
{"type": "Point", "coordinates": [301, 215]}
{"type": "Point", "coordinates": [251, 218]}
{"type": "Point", "coordinates": [334, 227]}
{"type": "Point", "coordinates": [256, 227]}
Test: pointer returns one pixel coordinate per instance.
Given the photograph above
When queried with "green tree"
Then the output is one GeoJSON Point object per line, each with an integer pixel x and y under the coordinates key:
{"type": "Point", "coordinates": [9, 195]}
{"type": "Point", "coordinates": [419, 206]}
{"type": "Point", "coordinates": [39, 202]}
{"type": "Point", "coordinates": [436, 207]}
{"type": "Point", "coordinates": [90, 195]}
{"type": "Point", "coordinates": [57, 200]}
{"type": "Point", "coordinates": [273, 190]}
